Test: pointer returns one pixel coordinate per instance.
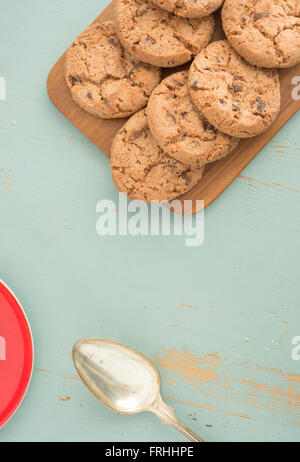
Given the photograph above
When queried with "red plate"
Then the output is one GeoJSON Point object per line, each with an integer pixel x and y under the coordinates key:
{"type": "Point", "coordinates": [16, 354]}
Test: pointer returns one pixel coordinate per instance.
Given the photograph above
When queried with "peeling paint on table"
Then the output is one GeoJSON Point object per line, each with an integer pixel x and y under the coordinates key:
{"type": "Point", "coordinates": [209, 376]}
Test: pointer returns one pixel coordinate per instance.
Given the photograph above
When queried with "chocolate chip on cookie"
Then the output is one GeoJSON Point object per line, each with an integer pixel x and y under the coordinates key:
{"type": "Point", "coordinates": [266, 33]}
{"type": "Point", "coordinates": [189, 8]}
{"type": "Point", "coordinates": [180, 129]}
{"type": "Point", "coordinates": [159, 37]}
{"type": "Point", "coordinates": [142, 170]}
{"type": "Point", "coordinates": [239, 99]}
{"type": "Point", "coordinates": [102, 77]}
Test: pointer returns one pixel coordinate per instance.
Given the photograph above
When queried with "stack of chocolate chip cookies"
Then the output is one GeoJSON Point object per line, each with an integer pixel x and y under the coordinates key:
{"type": "Point", "coordinates": [195, 116]}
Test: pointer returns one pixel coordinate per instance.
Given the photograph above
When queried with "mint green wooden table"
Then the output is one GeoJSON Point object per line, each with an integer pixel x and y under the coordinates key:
{"type": "Point", "coordinates": [218, 320]}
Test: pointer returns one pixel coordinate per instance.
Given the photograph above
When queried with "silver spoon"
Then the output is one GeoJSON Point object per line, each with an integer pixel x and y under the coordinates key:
{"type": "Point", "coordinates": [124, 380]}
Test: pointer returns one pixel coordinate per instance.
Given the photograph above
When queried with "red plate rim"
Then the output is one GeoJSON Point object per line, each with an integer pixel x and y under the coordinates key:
{"type": "Point", "coordinates": [28, 356]}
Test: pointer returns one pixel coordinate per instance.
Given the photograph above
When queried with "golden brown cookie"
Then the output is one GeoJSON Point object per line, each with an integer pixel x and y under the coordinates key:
{"type": "Point", "coordinates": [235, 97]}
{"type": "Point", "coordinates": [158, 37]}
{"type": "Point", "coordinates": [104, 79]}
{"type": "Point", "coordinates": [142, 170]}
{"type": "Point", "coordinates": [189, 8]}
{"type": "Point", "coordinates": [180, 129]}
{"type": "Point", "coordinates": [266, 33]}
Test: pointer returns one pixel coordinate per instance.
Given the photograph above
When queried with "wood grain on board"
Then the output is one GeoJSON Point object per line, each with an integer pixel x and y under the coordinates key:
{"type": "Point", "coordinates": [218, 175]}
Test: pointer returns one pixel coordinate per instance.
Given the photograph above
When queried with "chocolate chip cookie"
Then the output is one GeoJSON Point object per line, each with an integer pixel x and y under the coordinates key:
{"type": "Point", "coordinates": [159, 37]}
{"type": "Point", "coordinates": [104, 79]}
{"type": "Point", "coordinates": [180, 129]}
{"type": "Point", "coordinates": [141, 169]}
{"type": "Point", "coordinates": [266, 33]}
{"type": "Point", "coordinates": [239, 99]}
{"type": "Point", "coordinates": [189, 8]}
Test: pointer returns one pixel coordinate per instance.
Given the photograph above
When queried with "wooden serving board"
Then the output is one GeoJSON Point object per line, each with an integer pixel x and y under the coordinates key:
{"type": "Point", "coordinates": [218, 175]}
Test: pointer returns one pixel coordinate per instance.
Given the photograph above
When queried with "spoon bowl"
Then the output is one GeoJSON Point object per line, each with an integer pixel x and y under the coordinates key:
{"type": "Point", "coordinates": [119, 377]}
{"type": "Point", "coordinates": [124, 380]}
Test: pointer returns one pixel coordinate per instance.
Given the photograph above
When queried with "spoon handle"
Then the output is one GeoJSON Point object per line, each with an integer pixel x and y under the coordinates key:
{"type": "Point", "coordinates": [167, 416]}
